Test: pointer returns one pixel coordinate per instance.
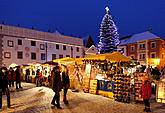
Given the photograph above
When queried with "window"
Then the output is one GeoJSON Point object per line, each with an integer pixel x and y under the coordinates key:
{"type": "Point", "coordinates": [53, 56]}
{"type": "Point", "coordinates": [10, 43]}
{"type": "Point", "coordinates": [33, 56]}
{"type": "Point", "coordinates": [77, 49]}
{"type": "Point", "coordinates": [64, 47]}
{"type": "Point", "coordinates": [60, 56]}
{"type": "Point", "coordinates": [7, 55]}
{"type": "Point", "coordinates": [19, 42]}
{"type": "Point", "coordinates": [20, 55]}
{"type": "Point", "coordinates": [33, 43]}
{"type": "Point", "coordinates": [42, 46]}
{"type": "Point", "coordinates": [57, 46]}
{"type": "Point", "coordinates": [43, 56]}
{"type": "Point", "coordinates": [132, 48]}
{"type": "Point", "coordinates": [67, 55]}
{"type": "Point", "coordinates": [142, 46]}
{"type": "Point", "coordinates": [132, 57]}
{"type": "Point", "coordinates": [153, 44]}
{"type": "Point", "coordinates": [77, 56]}
{"type": "Point", "coordinates": [153, 55]}
{"type": "Point", "coordinates": [142, 56]}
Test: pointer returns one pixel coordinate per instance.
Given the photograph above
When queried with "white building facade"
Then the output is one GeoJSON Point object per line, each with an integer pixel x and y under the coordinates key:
{"type": "Point", "coordinates": [23, 46]}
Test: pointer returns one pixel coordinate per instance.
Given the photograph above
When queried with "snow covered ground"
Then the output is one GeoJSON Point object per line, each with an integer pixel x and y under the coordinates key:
{"type": "Point", "coordinates": [37, 100]}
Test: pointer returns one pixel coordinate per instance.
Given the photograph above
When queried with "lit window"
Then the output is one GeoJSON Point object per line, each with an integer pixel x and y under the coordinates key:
{"type": "Point", "coordinates": [7, 55]}
{"type": "Point", "coordinates": [10, 43]}
{"type": "Point", "coordinates": [42, 46]}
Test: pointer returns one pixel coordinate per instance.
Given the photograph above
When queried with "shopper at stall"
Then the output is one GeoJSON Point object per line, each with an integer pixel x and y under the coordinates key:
{"type": "Point", "coordinates": [4, 86]}
{"type": "Point", "coordinates": [27, 76]}
{"type": "Point", "coordinates": [11, 77]}
{"type": "Point", "coordinates": [66, 84]}
{"type": "Point", "coordinates": [56, 86]}
{"type": "Point", "coordinates": [146, 93]}
{"type": "Point", "coordinates": [18, 77]}
{"type": "Point", "coordinates": [38, 78]}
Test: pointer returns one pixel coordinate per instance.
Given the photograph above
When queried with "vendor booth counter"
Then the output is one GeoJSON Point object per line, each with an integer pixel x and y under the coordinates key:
{"type": "Point", "coordinates": [160, 93]}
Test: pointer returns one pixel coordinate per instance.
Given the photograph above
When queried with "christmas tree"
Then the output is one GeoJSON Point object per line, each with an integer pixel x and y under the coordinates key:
{"type": "Point", "coordinates": [109, 37]}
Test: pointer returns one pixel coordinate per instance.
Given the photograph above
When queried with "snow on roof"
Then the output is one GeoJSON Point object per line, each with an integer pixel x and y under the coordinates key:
{"type": "Point", "coordinates": [138, 37]}
{"type": "Point", "coordinates": [57, 32]}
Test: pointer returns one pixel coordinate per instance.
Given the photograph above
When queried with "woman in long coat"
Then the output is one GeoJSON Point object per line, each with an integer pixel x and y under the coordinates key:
{"type": "Point", "coordinates": [146, 93]}
{"type": "Point", "coordinates": [56, 86]}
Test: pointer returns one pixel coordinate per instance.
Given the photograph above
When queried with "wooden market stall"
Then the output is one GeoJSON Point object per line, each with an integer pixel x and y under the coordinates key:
{"type": "Point", "coordinates": [160, 93]}
{"type": "Point", "coordinates": [104, 75]}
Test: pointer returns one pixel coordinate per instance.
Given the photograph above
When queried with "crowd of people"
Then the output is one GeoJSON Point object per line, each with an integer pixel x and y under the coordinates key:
{"type": "Point", "coordinates": [7, 79]}
{"type": "Point", "coordinates": [10, 80]}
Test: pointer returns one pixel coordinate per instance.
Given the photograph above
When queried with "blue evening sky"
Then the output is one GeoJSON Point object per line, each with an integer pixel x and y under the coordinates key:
{"type": "Point", "coordinates": [83, 17]}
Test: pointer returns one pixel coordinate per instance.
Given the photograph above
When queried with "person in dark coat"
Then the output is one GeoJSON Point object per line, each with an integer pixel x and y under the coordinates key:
{"type": "Point", "coordinates": [18, 77]}
{"type": "Point", "coordinates": [66, 84]}
{"type": "Point", "coordinates": [56, 86]}
{"type": "Point", "coordinates": [146, 92]}
{"type": "Point", "coordinates": [27, 76]}
{"type": "Point", "coordinates": [4, 86]}
{"type": "Point", "coordinates": [11, 77]}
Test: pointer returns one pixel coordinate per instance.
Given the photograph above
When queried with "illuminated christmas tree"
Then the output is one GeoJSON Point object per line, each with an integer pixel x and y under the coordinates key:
{"type": "Point", "coordinates": [109, 37]}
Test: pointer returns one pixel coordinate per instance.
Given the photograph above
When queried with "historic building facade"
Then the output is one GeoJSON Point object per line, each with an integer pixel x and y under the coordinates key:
{"type": "Point", "coordinates": [146, 47]}
{"type": "Point", "coordinates": [23, 46]}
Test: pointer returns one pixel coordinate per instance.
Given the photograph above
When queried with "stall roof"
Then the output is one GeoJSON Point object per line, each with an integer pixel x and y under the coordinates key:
{"type": "Point", "coordinates": [115, 56]}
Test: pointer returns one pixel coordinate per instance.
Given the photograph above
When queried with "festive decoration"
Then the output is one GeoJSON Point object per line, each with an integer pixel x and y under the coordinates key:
{"type": "Point", "coordinates": [109, 37]}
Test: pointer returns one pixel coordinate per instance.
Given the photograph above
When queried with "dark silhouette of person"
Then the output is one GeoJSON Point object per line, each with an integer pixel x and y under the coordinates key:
{"type": "Point", "coordinates": [66, 84]}
{"type": "Point", "coordinates": [4, 86]}
{"type": "Point", "coordinates": [56, 86]}
{"type": "Point", "coordinates": [11, 77]}
{"type": "Point", "coordinates": [18, 77]}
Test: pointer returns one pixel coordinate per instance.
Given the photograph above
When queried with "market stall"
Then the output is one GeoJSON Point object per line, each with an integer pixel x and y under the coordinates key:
{"type": "Point", "coordinates": [160, 93]}
{"type": "Point", "coordinates": [107, 70]}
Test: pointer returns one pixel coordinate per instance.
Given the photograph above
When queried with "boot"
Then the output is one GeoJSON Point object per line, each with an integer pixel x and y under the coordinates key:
{"type": "Point", "coordinates": [65, 100]}
{"type": "Point", "coordinates": [148, 109]}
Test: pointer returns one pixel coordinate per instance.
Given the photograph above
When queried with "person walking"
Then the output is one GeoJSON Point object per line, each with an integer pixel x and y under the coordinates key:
{"type": "Point", "coordinates": [4, 86]}
{"type": "Point", "coordinates": [56, 86]}
{"type": "Point", "coordinates": [11, 77]}
{"type": "Point", "coordinates": [66, 84]}
{"type": "Point", "coordinates": [18, 77]}
{"type": "Point", "coordinates": [146, 92]}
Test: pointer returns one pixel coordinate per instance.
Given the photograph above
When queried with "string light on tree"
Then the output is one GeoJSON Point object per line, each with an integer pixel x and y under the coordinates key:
{"type": "Point", "coordinates": [109, 37]}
